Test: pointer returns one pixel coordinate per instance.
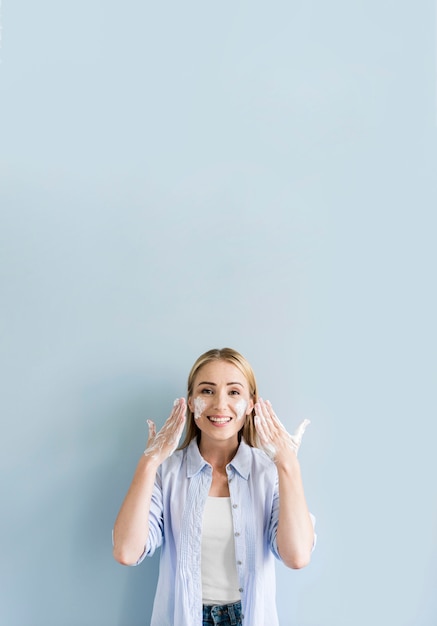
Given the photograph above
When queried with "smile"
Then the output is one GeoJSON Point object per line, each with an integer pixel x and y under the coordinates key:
{"type": "Point", "coordinates": [219, 420]}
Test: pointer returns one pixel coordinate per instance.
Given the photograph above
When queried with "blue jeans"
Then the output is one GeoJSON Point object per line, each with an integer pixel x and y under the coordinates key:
{"type": "Point", "coordinates": [224, 615]}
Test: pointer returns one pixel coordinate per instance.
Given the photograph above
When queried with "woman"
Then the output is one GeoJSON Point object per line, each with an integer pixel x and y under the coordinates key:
{"type": "Point", "coordinates": [221, 506]}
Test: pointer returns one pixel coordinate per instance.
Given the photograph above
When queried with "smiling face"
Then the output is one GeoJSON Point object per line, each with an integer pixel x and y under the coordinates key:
{"type": "Point", "coordinates": [220, 401]}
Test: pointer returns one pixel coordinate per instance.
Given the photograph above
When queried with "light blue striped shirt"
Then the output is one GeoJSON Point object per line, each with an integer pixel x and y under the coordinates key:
{"type": "Point", "coordinates": [175, 523]}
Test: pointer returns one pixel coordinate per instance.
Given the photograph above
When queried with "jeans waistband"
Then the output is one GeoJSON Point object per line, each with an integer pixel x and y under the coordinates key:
{"type": "Point", "coordinates": [217, 611]}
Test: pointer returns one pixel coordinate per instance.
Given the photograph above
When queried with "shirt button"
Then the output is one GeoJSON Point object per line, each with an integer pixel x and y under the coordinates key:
{"type": "Point", "coordinates": [239, 562]}
{"type": "Point", "coordinates": [237, 534]}
{"type": "Point", "coordinates": [241, 590]}
{"type": "Point", "coordinates": [234, 506]}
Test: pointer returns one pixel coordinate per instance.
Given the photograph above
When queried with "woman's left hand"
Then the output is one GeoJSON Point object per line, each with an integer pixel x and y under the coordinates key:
{"type": "Point", "coordinates": [276, 442]}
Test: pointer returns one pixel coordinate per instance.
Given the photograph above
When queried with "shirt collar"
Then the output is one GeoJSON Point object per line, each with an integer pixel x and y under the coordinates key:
{"type": "Point", "coordinates": [195, 461]}
{"type": "Point", "coordinates": [240, 463]}
{"type": "Point", "coordinates": [242, 460]}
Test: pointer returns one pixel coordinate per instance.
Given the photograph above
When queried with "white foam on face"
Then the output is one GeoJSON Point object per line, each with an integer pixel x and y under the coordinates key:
{"type": "Point", "coordinates": [241, 407]}
{"type": "Point", "coordinates": [199, 407]}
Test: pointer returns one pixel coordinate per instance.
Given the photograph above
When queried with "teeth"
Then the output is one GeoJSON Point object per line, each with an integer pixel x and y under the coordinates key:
{"type": "Point", "coordinates": [220, 420]}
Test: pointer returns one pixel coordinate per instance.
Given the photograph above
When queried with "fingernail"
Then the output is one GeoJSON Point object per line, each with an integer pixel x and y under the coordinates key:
{"type": "Point", "coordinates": [176, 402]}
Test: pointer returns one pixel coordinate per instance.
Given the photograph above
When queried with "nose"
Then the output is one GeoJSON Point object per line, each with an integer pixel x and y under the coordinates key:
{"type": "Point", "coordinates": [221, 399]}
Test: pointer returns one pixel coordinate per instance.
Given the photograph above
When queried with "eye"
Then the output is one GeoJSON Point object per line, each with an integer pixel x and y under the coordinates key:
{"type": "Point", "coordinates": [234, 392]}
{"type": "Point", "coordinates": [206, 391]}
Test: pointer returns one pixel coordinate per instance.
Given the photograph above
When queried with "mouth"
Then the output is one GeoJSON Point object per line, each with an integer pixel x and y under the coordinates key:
{"type": "Point", "coordinates": [219, 420]}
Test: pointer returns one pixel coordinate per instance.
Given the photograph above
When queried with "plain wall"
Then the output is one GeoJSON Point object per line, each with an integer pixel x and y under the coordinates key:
{"type": "Point", "coordinates": [181, 176]}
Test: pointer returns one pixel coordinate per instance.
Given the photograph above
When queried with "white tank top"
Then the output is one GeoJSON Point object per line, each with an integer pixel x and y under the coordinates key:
{"type": "Point", "coordinates": [219, 571]}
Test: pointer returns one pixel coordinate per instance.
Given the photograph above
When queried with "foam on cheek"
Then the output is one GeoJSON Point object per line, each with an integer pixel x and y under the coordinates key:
{"type": "Point", "coordinates": [199, 407]}
{"type": "Point", "coordinates": [241, 407]}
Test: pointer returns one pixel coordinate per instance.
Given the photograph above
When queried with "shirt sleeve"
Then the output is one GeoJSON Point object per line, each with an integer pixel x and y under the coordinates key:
{"type": "Point", "coordinates": [156, 520]}
{"type": "Point", "coordinates": [274, 519]}
{"type": "Point", "coordinates": [273, 528]}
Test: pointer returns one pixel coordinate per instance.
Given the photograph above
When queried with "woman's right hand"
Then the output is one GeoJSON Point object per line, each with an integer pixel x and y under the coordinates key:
{"type": "Point", "coordinates": [162, 445]}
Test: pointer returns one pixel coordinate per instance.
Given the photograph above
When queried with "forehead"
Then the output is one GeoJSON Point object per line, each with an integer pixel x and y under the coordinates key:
{"type": "Point", "coordinates": [220, 372]}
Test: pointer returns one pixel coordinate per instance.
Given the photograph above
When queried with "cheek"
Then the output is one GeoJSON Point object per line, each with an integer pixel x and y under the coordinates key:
{"type": "Point", "coordinates": [241, 407]}
{"type": "Point", "coordinates": [199, 407]}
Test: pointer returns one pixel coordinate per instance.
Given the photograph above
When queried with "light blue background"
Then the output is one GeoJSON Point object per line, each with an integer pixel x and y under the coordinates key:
{"type": "Point", "coordinates": [180, 176]}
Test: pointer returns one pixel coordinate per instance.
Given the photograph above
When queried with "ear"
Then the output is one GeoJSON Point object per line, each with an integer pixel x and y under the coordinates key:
{"type": "Point", "coordinates": [250, 406]}
{"type": "Point", "coordinates": [190, 404]}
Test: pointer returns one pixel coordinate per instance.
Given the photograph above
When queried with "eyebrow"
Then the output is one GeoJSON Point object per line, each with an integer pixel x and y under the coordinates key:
{"type": "Point", "coordinates": [205, 382]}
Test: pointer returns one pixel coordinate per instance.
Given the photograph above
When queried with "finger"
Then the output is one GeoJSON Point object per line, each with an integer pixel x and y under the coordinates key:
{"type": "Point", "coordinates": [176, 406]}
{"type": "Point", "coordinates": [176, 431]}
{"type": "Point", "coordinates": [183, 407]}
{"type": "Point", "coordinates": [263, 437]}
{"type": "Point", "coordinates": [179, 427]}
{"type": "Point", "coordinates": [273, 424]}
{"type": "Point", "coordinates": [262, 409]}
{"type": "Point", "coordinates": [174, 425]}
{"type": "Point", "coordinates": [180, 416]}
{"type": "Point", "coordinates": [273, 414]}
{"type": "Point", "coordinates": [152, 431]}
{"type": "Point", "coordinates": [300, 430]}
{"type": "Point", "coordinates": [261, 428]}
{"type": "Point", "coordinates": [276, 422]}
{"type": "Point", "coordinates": [177, 411]}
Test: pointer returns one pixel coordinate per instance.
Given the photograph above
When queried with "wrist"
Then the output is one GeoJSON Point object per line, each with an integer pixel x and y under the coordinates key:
{"type": "Point", "coordinates": [288, 464]}
{"type": "Point", "coordinates": [150, 461]}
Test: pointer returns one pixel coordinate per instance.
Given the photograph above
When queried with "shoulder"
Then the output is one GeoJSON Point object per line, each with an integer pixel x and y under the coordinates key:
{"type": "Point", "coordinates": [174, 463]}
{"type": "Point", "coordinates": [262, 476]}
{"type": "Point", "coordinates": [261, 460]}
{"type": "Point", "coordinates": [260, 463]}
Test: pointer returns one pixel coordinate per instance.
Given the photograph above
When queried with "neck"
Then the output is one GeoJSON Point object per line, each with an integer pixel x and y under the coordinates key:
{"type": "Point", "coordinates": [218, 454]}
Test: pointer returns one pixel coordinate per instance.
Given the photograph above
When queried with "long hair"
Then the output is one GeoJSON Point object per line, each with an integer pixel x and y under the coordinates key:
{"type": "Point", "coordinates": [235, 358]}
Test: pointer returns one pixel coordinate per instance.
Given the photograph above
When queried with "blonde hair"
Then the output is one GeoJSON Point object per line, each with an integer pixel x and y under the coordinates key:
{"type": "Point", "coordinates": [235, 358]}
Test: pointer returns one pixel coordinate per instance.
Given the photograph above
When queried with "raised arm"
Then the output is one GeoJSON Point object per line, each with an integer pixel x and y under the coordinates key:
{"type": "Point", "coordinates": [131, 527]}
{"type": "Point", "coordinates": [295, 533]}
